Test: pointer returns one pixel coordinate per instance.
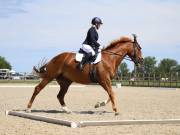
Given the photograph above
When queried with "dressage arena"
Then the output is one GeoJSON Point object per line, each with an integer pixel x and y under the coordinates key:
{"type": "Point", "coordinates": [134, 103]}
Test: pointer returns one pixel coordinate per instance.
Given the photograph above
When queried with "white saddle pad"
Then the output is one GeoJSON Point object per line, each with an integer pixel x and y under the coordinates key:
{"type": "Point", "coordinates": [79, 57]}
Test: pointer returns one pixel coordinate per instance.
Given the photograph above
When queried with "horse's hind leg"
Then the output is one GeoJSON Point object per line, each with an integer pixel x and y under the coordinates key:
{"type": "Point", "coordinates": [104, 103]}
{"type": "Point", "coordinates": [37, 89]}
{"type": "Point", "coordinates": [64, 84]}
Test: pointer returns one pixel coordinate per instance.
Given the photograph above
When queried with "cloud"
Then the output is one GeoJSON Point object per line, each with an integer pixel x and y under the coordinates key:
{"type": "Point", "coordinates": [155, 22]}
{"type": "Point", "coordinates": [62, 25]}
{"type": "Point", "coordinates": [11, 7]}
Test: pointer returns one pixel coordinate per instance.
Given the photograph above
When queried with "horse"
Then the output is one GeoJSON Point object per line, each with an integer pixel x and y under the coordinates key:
{"type": "Point", "coordinates": [63, 68]}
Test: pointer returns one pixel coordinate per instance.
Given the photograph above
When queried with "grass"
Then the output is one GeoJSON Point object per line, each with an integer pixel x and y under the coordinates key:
{"type": "Point", "coordinates": [123, 82]}
{"type": "Point", "coordinates": [149, 84]}
{"type": "Point", "coordinates": [23, 81]}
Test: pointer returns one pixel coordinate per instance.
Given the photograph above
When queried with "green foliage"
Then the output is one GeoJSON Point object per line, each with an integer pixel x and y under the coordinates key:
{"type": "Point", "coordinates": [164, 67]}
{"type": "Point", "coordinates": [150, 64]}
{"type": "Point", "coordinates": [177, 68]}
{"type": "Point", "coordinates": [123, 69]}
{"type": "Point", "coordinates": [4, 64]}
{"type": "Point", "coordinates": [167, 65]}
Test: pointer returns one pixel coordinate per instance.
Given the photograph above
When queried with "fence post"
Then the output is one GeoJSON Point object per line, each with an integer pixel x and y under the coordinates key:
{"type": "Point", "coordinates": [121, 77]}
{"type": "Point", "coordinates": [176, 79]}
{"type": "Point", "coordinates": [159, 80]}
{"type": "Point", "coordinates": [171, 80]}
{"type": "Point", "coordinates": [143, 79]}
{"type": "Point", "coordinates": [137, 81]}
{"type": "Point", "coordinates": [154, 79]}
{"type": "Point", "coordinates": [129, 79]}
{"type": "Point", "coordinates": [165, 76]}
{"type": "Point", "coordinates": [148, 79]}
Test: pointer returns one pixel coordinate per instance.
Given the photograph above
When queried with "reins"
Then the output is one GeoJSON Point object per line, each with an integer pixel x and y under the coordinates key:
{"type": "Point", "coordinates": [126, 57]}
{"type": "Point", "coordinates": [110, 52]}
{"type": "Point", "coordinates": [113, 53]}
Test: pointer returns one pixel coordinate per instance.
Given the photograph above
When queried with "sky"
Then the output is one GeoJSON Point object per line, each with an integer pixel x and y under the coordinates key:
{"type": "Point", "coordinates": [31, 30]}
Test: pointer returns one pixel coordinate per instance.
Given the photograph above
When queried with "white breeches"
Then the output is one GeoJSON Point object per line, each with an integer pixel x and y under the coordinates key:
{"type": "Point", "coordinates": [88, 49]}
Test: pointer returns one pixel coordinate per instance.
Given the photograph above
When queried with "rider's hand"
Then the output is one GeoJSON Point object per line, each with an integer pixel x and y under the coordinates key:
{"type": "Point", "coordinates": [101, 47]}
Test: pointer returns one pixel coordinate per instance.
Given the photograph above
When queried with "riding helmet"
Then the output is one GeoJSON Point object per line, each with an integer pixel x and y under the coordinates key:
{"type": "Point", "coordinates": [96, 20]}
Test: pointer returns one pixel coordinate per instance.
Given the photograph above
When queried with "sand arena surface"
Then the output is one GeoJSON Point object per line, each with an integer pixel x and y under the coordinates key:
{"type": "Point", "coordinates": [133, 103]}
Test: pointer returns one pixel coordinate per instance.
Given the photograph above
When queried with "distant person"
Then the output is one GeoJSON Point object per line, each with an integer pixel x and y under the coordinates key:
{"type": "Point", "coordinates": [90, 45]}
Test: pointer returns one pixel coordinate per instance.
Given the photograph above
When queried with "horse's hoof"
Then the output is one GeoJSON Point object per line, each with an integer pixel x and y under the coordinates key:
{"type": "Point", "coordinates": [69, 112]}
{"type": "Point", "coordinates": [102, 104]}
{"type": "Point", "coordinates": [116, 113]}
{"type": "Point", "coordinates": [28, 110]}
{"type": "Point", "coordinates": [66, 110]}
{"type": "Point", "coordinates": [97, 105]}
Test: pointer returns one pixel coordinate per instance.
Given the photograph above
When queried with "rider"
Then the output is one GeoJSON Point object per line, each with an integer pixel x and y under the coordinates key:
{"type": "Point", "coordinates": [90, 45]}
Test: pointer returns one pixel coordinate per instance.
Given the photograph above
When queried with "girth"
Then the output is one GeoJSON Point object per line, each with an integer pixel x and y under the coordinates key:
{"type": "Point", "coordinates": [92, 73]}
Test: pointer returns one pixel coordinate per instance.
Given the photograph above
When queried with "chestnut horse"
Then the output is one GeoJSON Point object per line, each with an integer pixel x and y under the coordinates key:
{"type": "Point", "coordinates": [63, 68]}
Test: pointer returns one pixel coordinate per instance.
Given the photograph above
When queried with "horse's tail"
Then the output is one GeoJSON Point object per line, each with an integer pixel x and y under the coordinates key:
{"type": "Point", "coordinates": [40, 70]}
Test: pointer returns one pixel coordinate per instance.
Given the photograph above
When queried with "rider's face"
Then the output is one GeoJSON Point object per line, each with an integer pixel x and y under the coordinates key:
{"type": "Point", "coordinates": [97, 25]}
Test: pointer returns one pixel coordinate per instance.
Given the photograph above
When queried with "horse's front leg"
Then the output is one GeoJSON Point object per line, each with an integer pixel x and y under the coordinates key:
{"type": "Point", "coordinates": [106, 84]}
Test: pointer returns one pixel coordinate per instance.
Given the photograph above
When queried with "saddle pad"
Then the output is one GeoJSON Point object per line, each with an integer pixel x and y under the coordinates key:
{"type": "Point", "coordinates": [79, 57]}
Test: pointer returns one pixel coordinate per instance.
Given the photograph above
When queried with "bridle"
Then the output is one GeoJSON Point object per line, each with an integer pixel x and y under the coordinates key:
{"type": "Point", "coordinates": [134, 58]}
{"type": "Point", "coordinates": [113, 53]}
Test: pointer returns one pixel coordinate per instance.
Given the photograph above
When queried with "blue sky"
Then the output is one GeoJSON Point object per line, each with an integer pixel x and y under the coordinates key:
{"type": "Point", "coordinates": [34, 29]}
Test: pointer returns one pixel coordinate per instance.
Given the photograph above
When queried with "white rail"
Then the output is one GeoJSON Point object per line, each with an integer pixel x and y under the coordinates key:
{"type": "Point", "coordinates": [42, 118]}
{"type": "Point", "coordinates": [91, 123]}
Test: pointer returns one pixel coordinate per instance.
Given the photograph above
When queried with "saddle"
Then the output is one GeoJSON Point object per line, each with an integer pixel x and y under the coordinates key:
{"type": "Point", "coordinates": [93, 60]}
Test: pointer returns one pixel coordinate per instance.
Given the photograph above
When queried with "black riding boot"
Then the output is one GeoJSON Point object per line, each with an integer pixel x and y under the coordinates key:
{"type": "Point", "coordinates": [84, 60]}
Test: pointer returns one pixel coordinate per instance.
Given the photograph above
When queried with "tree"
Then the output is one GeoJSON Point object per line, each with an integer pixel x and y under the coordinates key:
{"type": "Point", "coordinates": [4, 64]}
{"type": "Point", "coordinates": [149, 64]}
{"type": "Point", "coordinates": [123, 69]}
{"type": "Point", "coordinates": [177, 68]}
{"type": "Point", "coordinates": [167, 65]}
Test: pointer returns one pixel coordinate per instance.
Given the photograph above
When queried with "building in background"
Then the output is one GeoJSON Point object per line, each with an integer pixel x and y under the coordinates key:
{"type": "Point", "coordinates": [7, 74]}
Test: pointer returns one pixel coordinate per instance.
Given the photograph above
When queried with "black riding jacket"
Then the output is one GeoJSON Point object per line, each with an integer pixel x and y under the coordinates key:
{"type": "Point", "coordinates": [91, 38]}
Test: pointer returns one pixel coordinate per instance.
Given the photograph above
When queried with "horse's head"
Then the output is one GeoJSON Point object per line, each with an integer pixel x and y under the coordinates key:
{"type": "Point", "coordinates": [135, 53]}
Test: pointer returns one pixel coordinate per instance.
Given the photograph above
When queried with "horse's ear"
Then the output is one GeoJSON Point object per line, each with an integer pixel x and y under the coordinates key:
{"type": "Point", "coordinates": [135, 37]}
{"type": "Point", "coordinates": [135, 40]}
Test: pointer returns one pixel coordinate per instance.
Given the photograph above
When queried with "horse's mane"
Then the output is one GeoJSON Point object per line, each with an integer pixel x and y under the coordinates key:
{"type": "Point", "coordinates": [117, 41]}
